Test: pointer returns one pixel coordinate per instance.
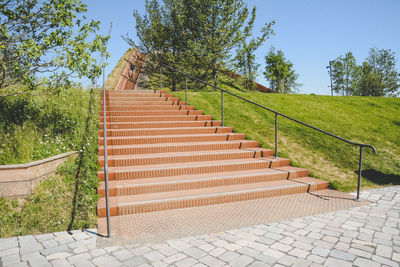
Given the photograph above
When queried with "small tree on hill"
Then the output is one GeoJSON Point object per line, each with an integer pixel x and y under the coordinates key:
{"type": "Point", "coordinates": [345, 74]}
{"type": "Point", "coordinates": [245, 57]}
{"type": "Point", "coordinates": [280, 73]}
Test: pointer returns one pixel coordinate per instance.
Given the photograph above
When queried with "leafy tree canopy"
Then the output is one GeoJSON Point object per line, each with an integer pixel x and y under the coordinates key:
{"type": "Point", "coordinates": [280, 72]}
{"type": "Point", "coordinates": [376, 76]}
{"type": "Point", "coordinates": [48, 36]}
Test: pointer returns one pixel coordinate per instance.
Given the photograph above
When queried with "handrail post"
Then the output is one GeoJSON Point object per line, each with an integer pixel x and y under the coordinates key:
{"type": "Point", "coordinates": [160, 78]}
{"type": "Point", "coordinates": [186, 96]}
{"type": "Point", "coordinates": [359, 173]}
{"type": "Point", "coordinates": [222, 108]}
{"type": "Point", "coordinates": [276, 135]}
{"type": "Point", "coordinates": [105, 156]}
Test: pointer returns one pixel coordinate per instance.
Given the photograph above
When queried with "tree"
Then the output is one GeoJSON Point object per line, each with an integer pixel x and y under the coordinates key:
{"type": "Point", "coordinates": [245, 57]}
{"type": "Point", "coordinates": [280, 73]}
{"type": "Point", "coordinates": [196, 35]}
{"type": "Point", "coordinates": [379, 70]}
{"type": "Point", "coordinates": [345, 74]}
{"type": "Point", "coordinates": [48, 36]}
{"type": "Point", "coordinates": [377, 75]}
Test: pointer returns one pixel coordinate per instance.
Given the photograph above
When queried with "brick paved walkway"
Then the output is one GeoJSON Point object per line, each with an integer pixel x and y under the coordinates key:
{"type": "Point", "coordinates": [360, 236]}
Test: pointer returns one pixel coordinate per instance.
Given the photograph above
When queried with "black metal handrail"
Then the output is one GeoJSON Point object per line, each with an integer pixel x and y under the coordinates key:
{"type": "Point", "coordinates": [276, 119]}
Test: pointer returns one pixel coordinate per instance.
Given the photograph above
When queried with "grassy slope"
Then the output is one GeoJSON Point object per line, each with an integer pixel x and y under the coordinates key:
{"type": "Point", "coordinates": [367, 120]}
{"type": "Point", "coordinates": [35, 127]}
{"type": "Point", "coordinates": [113, 77]}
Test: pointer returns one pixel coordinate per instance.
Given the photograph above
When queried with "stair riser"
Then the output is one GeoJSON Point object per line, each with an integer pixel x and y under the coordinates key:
{"type": "Point", "coordinates": [157, 118]}
{"type": "Point", "coordinates": [146, 189]}
{"type": "Point", "coordinates": [172, 139]}
{"type": "Point", "coordinates": [136, 125]}
{"type": "Point", "coordinates": [180, 148]}
{"type": "Point", "coordinates": [131, 92]}
{"type": "Point", "coordinates": [182, 159]}
{"type": "Point", "coordinates": [166, 131]}
{"type": "Point", "coordinates": [168, 205]}
{"type": "Point", "coordinates": [148, 107]}
{"type": "Point", "coordinates": [153, 113]}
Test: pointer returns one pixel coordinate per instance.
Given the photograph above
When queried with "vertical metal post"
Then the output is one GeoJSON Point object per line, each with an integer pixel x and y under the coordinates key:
{"type": "Point", "coordinates": [222, 108]}
{"type": "Point", "coordinates": [330, 75]}
{"type": "Point", "coordinates": [105, 156]}
{"type": "Point", "coordinates": [359, 173]}
{"type": "Point", "coordinates": [276, 135]}
{"type": "Point", "coordinates": [186, 97]}
{"type": "Point", "coordinates": [160, 79]}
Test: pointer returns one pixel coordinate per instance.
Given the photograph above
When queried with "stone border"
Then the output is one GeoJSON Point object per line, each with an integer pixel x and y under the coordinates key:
{"type": "Point", "coordinates": [18, 180]}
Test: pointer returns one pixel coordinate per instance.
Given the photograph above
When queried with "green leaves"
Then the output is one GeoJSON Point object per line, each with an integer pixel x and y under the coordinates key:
{"type": "Point", "coordinates": [376, 76]}
{"type": "Point", "coordinates": [47, 36]}
{"type": "Point", "coordinates": [280, 73]}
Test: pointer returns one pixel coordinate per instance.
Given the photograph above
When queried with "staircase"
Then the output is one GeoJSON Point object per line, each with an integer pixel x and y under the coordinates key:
{"type": "Point", "coordinates": [163, 154]}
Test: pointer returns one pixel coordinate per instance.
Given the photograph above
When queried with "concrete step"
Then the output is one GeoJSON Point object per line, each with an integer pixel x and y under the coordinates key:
{"type": "Point", "coordinates": [185, 182]}
{"type": "Point", "coordinates": [137, 102]}
{"type": "Point", "coordinates": [131, 204]}
{"type": "Point", "coordinates": [157, 118]}
{"type": "Point", "coordinates": [165, 131]}
{"type": "Point", "coordinates": [161, 124]}
{"type": "Point", "coordinates": [148, 107]}
{"type": "Point", "coordinates": [152, 113]}
{"type": "Point", "coordinates": [134, 140]}
{"type": "Point", "coordinates": [192, 156]}
{"type": "Point", "coordinates": [177, 147]}
{"type": "Point", "coordinates": [176, 169]}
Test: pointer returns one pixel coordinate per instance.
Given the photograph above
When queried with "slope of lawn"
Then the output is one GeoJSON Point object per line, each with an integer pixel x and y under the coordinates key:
{"type": "Point", "coordinates": [40, 125]}
{"type": "Point", "coordinates": [368, 120]}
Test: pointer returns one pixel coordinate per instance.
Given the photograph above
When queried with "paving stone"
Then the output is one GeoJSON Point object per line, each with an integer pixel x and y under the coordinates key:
{"type": "Point", "coordinates": [9, 251]}
{"type": "Point", "coordinates": [195, 253]}
{"type": "Point", "coordinates": [303, 245]}
{"type": "Point", "coordinates": [332, 262]}
{"type": "Point", "coordinates": [365, 262]}
{"type": "Point", "coordinates": [186, 262]}
{"type": "Point", "coordinates": [298, 252]}
{"type": "Point", "coordinates": [211, 261]}
{"type": "Point", "coordinates": [217, 251]}
{"type": "Point", "coordinates": [316, 258]}
{"type": "Point", "coordinates": [58, 255]}
{"type": "Point", "coordinates": [360, 253]}
{"type": "Point", "coordinates": [342, 246]}
{"type": "Point", "coordinates": [384, 251]}
{"type": "Point", "coordinates": [384, 261]}
{"type": "Point", "coordinates": [60, 263]}
{"type": "Point", "coordinates": [10, 259]}
{"type": "Point", "coordinates": [173, 258]}
{"type": "Point", "coordinates": [274, 253]}
{"type": "Point", "coordinates": [287, 260]}
{"type": "Point", "coordinates": [7, 243]}
{"type": "Point", "coordinates": [229, 256]}
{"type": "Point", "coordinates": [207, 247]}
{"type": "Point", "coordinates": [97, 252]}
{"type": "Point", "coordinates": [259, 264]}
{"type": "Point", "coordinates": [396, 257]}
{"type": "Point", "coordinates": [154, 256]}
{"type": "Point", "coordinates": [265, 258]}
{"type": "Point", "coordinates": [80, 257]}
{"type": "Point", "coordinates": [135, 261]}
{"type": "Point", "coordinates": [141, 250]}
{"type": "Point", "coordinates": [342, 255]}
{"type": "Point", "coordinates": [241, 261]}
{"type": "Point", "coordinates": [48, 251]}
{"type": "Point", "coordinates": [49, 243]}
{"type": "Point", "coordinates": [281, 247]}
{"type": "Point", "coordinates": [122, 254]}
{"type": "Point", "coordinates": [178, 245]}
{"type": "Point", "coordinates": [323, 252]}
{"type": "Point", "coordinates": [38, 260]}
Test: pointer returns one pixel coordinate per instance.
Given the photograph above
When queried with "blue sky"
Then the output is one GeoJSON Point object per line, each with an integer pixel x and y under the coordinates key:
{"type": "Point", "coordinates": [309, 32]}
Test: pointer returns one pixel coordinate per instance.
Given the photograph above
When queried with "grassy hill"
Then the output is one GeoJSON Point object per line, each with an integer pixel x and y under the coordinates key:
{"type": "Point", "coordinates": [369, 120]}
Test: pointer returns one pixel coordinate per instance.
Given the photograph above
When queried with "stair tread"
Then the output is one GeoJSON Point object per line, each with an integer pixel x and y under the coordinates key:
{"type": "Point", "coordinates": [179, 144]}
{"type": "Point", "coordinates": [211, 191]}
{"type": "Point", "coordinates": [172, 135]}
{"type": "Point", "coordinates": [192, 177]}
{"type": "Point", "coordinates": [193, 164]}
{"type": "Point", "coordinates": [189, 153]}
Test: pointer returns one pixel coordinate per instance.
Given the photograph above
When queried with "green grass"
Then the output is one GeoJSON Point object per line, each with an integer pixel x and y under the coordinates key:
{"type": "Point", "coordinates": [35, 127]}
{"type": "Point", "coordinates": [369, 120]}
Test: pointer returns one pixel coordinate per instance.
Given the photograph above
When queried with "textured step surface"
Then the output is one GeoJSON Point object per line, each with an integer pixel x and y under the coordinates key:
{"type": "Point", "coordinates": [163, 155]}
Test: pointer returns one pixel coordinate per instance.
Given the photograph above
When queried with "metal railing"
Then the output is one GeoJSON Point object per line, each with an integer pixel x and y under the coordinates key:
{"type": "Point", "coordinates": [361, 146]}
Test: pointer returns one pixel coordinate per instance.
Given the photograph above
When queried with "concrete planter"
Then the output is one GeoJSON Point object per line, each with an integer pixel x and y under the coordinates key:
{"type": "Point", "coordinates": [18, 180]}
